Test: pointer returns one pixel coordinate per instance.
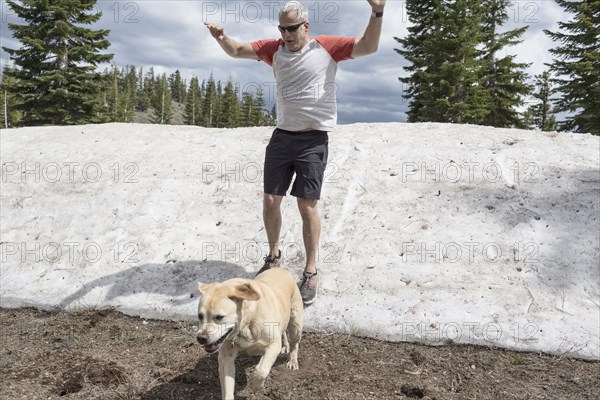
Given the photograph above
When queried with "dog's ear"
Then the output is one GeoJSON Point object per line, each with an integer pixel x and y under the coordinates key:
{"type": "Point", "coordinates": [245, 291]}
{"type": "Point", "coordinates": [203, 286]}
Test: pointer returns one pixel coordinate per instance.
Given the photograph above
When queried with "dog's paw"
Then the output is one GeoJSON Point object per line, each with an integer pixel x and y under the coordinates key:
{"type": "Point", "coordinates": [293, 363]}
{"type": "Point", "coordinates": [285, 349]}
{"type": "Point", "coordinates": [256, 382]}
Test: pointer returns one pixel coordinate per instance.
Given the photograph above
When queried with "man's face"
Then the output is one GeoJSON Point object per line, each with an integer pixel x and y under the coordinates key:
{"type": "Point", "coordinates": [298, 36]}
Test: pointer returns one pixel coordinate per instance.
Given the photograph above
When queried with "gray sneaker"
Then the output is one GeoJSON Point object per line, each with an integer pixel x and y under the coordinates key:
{"type": "Point", "coordinates": [271, 262]}
{"type": "Point", "coordinates": [308, 286]}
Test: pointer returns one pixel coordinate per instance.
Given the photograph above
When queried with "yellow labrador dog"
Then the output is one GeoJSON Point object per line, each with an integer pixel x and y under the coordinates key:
{"type": "Point", "coordinates": [263, 316]}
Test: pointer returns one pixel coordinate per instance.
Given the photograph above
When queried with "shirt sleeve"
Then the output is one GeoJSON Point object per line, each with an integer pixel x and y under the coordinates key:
{"type": "Point", "coordinates": [266, 49]}
{"type": "Point", "coordinates": [339, 47]}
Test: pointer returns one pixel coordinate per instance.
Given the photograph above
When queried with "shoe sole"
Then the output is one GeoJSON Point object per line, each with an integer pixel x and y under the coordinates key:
{"type": "Point", "coordinates": [309, 302]}
{"type": "Point", "coordinates": [260, 271]}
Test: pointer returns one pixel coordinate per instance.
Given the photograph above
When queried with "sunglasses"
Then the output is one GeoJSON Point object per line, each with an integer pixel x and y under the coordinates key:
{"type": "Point", "coordinates": [291, 28]}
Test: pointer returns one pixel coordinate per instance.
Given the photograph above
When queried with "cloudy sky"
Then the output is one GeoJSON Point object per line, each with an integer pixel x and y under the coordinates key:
{"type": "Point", "coordinates": [170, 35]}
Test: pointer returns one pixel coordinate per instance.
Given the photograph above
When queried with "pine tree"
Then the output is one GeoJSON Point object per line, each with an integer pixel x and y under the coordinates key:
{"type": "Point", "coordinates": [458, 95]}
{"type": "Point", "coordinates": [446, 84]}
{"type": "Point", "coordinates": [218, 110]}
{"type": "Point", "coordinates": [161, 102]}
{"type": "Point", "coordinates": [503, 77]}
{"type": "Point", "coordinates": [424, 16]}
{"type": "Point", "coordinates": [209, 103]}
{"type": "Point", "coordinates": [149, 88]}
{"type": "Point", "coordinates": [247, 110]}
{"type": "Point", "coordinates": [576, 66]}
{"type": "Point", "coordinates": [10, 117]}
{"type": "Point", "coordinates": [258, 113]}
{"type": "Point", "coordinates": [113, 95]}
{"type": "Point", "coordinates": [177, 87]}
{"type": "Point", "coordinates": [142, 98]}
{"type": "Point", "coordinates": [230, 107]}
{"type": "Point", "coordinates": [541, 112]}
{"type": "Point", "coordinates": [130, 91]}
{"type": "Point", "coordinates": [120, 94]}
{"type": "Point", "coordinates": [527, 121]}
{"type": "Point", "coordinates": [273, 118]}
{"type": "Point", "coordinates": [193, 104]}
{"type": "Point", "coordinates": [55, 78]}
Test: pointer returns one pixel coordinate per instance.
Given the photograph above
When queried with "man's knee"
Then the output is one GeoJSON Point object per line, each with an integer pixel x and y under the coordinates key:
{"type": "Point", "coordinates": [271, 202]}
{"type": "Point", "coordinates": [308, 208]}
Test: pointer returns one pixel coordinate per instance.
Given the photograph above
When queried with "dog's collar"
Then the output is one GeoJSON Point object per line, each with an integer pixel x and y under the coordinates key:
{"type": "Point", "coordinates": [233, 338]}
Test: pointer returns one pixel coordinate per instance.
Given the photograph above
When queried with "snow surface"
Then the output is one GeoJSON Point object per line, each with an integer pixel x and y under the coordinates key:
{"type": "Point", "coordinates": [433, 233]}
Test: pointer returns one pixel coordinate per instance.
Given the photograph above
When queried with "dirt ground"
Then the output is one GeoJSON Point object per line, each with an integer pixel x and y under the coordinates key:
{"type": "Point", "coordinates": [107, 355]}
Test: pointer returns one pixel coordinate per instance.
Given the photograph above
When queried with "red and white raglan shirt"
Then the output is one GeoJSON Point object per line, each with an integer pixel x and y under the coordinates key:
{"type": "Point", "coordinates": [306, 88]}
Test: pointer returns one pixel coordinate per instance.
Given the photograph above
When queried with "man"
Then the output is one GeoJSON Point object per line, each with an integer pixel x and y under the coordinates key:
{"type": "Point", "coordinates": [304, 69]}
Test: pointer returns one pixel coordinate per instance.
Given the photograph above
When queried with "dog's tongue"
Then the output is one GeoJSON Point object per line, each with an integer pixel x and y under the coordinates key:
{"type": "Point", "coordinates": [211, 348]}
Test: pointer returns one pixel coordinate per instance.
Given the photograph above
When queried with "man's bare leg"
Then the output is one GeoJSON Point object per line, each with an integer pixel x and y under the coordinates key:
{"type": "Point", "coordinates": [311, 231]}
{"type": "Point", "coordinates": [272, 221]}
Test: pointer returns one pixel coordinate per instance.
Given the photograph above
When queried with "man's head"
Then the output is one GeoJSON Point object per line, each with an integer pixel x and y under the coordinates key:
{"type": "Point", "coordinates": [293, 25]}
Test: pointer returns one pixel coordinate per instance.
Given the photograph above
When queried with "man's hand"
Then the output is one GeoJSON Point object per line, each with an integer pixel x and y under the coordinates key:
{"type": "Point", "coordinates": [377, 5]}
{"type": "Point", "coordinates": [231, 46]}
{"type": "Point", "coordinates": [217, 31]}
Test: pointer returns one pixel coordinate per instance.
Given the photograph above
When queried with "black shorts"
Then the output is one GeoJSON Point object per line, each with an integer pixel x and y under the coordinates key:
{"type": "Point", "coordinates": [303, 153]}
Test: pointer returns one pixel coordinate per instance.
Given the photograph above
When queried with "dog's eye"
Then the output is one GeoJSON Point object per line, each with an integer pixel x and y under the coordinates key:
{"type": "Point", "coordinates": [200, 317]}
{"type": "Point", "coordinates": [219, 317]}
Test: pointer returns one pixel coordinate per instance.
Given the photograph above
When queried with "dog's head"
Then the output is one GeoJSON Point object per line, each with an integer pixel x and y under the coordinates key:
{"type": "Point", "coordinates": [220, 311]}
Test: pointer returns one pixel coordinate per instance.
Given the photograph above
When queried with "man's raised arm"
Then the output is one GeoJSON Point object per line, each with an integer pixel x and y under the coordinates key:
{"type": "Point", "coordinates": [369, 41]}
{"type": "Point", "coordinates": [231, 47]}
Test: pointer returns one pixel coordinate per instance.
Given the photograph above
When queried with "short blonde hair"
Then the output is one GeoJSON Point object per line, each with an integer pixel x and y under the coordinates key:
{"type": "Point", "coordinates": [294, 6]}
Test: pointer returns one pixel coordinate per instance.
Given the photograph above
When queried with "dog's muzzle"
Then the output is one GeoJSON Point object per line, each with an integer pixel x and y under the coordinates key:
{"type": "Point", "coordinates": [213, 347]}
